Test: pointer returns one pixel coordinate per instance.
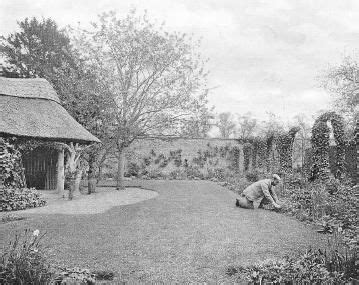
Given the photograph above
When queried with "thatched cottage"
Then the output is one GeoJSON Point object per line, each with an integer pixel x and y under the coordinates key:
{"type": "Point", "coordinates": [30, 108]}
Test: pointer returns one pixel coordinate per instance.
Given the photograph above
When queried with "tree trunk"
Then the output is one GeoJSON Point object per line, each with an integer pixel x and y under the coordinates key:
{"type": "Point", "coordinates": [78, 177]}
{"type": "Point", "coordinates": [121, 169]}
{"type": "Point", "coordinates": [92, 181]}
{"type": "Point", "coordinates": [61, 173]}
{"type": "Point", "coordinates": [99, 175]}
{"type": "Point", "coordinates": [72, 180]}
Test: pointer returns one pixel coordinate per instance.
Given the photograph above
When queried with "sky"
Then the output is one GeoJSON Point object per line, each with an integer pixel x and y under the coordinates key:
{"type": "Point", "coordinates": [264, 56]}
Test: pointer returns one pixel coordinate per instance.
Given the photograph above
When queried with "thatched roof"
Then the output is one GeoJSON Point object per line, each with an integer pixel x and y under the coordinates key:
{"type": "Point", "coordinates": [31, 108]}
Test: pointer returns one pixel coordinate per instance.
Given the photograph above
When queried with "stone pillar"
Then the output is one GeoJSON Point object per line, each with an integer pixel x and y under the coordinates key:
{"type": "Point", "coordinates": [61, 173]}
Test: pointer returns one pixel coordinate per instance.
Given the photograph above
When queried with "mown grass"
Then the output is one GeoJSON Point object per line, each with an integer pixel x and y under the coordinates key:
{"type": "Point", "coordinates": [191, 232]}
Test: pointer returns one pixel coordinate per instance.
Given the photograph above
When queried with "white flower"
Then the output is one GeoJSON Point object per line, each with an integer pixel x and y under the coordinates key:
{"type": "Point", "coordinates": [340, 229]}
{"type": "Point", "coordinates": [36, 233]}
{"type": "Point", "coordinates": [36, 250]}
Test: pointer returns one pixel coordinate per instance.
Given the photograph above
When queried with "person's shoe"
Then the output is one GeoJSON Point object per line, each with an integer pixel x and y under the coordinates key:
{"type": "Point", "coordinates": [237, 203]}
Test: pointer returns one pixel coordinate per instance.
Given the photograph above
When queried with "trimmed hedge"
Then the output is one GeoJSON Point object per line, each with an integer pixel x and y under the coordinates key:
{"type": "Point", "coordinates": [13, 199]}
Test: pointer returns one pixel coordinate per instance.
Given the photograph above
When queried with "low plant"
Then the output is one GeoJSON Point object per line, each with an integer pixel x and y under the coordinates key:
{"type": "Point", "coordinates": [133, 169]}
{"type": "Point", "coordinates": [147, 161]}
{"type": "Point", "coordinates": [104, 275]}
{"type": "Point", "coordinates": [164, 163]}
{"type": "Point", "coordinates": [154, 174]}
{"type": "Point", "coordinates": [178, 174]}
{"type": "Point", "coordinates": [11, 217]}
{"type": "Point", "coordinates": [312, 267]}
{"type": "Point", "coordinates": [74, 275]}
{"type": "Point", "coordinates": [24, 261]}
{"type": "Point", "coordinates": [12, 199]}
{"type": "Point", "coordinates": [193, 172]}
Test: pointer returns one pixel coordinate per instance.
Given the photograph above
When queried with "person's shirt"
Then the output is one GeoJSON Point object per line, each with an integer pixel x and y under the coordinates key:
{"type": "Point", "coordinates": [260, 189]}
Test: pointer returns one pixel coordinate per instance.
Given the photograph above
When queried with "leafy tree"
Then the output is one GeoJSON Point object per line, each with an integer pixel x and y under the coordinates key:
{"type": "Point", "coordinates": [41, 49]}
{"type": "Point", "coordinates": [156, 78]}
{"type": "Point", "coordinates": [226, 124]}
{"type": "Point", "coordinates": [343, 82]}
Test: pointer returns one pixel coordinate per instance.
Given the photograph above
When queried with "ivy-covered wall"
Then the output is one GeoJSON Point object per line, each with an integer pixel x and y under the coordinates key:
{"type": "Point", "coordinates": [320, 144]}
{"type": "Point", "coordinates": [350, 165]}
{"type": "Point", "coordinates": [171, 157]}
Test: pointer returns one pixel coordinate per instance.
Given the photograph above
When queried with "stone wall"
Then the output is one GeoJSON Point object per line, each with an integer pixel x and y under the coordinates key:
{"type": "Point", "coordinates": [170, 155]}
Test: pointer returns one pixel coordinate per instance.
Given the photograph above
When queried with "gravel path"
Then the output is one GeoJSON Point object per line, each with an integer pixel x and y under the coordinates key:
{"type": "Point", "coordinates": [95, 203]}
{"type": "Point", "coordinates": [190, 232]}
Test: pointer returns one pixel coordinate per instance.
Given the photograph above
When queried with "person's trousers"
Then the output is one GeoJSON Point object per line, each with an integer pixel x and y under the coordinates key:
{"type": "Point", "coordinates": [244, 202]}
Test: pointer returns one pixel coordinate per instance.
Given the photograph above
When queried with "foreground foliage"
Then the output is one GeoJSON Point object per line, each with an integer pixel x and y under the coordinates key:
{"type": "Point", "coordinates": [332, 205]}
{"type": "Point", "coordinates": [312, 267]}
{"type": "Point", "coordinates": [24, 260]}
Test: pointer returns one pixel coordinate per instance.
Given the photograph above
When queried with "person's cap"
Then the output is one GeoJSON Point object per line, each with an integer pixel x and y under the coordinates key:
{"type": "Point", "coordinates": [276, 176]}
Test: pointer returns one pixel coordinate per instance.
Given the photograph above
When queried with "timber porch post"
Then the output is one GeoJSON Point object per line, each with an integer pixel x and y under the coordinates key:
{"type": "Point", "coordinates": [61, 173]}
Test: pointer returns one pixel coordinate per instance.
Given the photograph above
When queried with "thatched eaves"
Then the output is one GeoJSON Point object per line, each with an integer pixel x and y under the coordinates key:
{"type": "Point", "coordinates": [31, 108]}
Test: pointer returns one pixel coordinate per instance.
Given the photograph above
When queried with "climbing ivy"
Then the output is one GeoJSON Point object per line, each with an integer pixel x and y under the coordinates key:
{"type": "Point", "coordinates": [234, 155]}
{"type": "Point", "coordinates": [284, 144]}
{"type": "Point", "coordinates": [320, 144]}
{"type": "Point", "coordinates": [259, 152]}
{"type": "Point", "coordinates": [269, 148]}
{"type": "Point", "coordinates": [11, 171]}
{"type": "Point", "coordinates": [356, 141]}
{"type": "Point", "coordinates": [247, 154]}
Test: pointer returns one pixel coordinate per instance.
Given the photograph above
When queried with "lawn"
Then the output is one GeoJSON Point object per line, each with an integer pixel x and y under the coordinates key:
{"type": "Point", "coordinates": [190, 232]}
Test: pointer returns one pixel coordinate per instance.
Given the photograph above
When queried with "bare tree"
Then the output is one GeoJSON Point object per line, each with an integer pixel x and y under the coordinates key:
{"type": "Point", "coordinates": [226, 125]}
{"type": "Point", "coordinates": [272, 126]}
{"type": "Point", "coordinates": [246, 126]}
{"type": "Point", "coordinates": [155, 78]}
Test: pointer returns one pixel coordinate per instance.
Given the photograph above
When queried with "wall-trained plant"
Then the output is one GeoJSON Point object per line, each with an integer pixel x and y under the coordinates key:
{"type": "Point", "coordinates": [320, 144]}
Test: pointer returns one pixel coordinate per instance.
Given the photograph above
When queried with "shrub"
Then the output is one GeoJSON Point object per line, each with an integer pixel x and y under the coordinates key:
{"type": "Point", "coordinates": [306, 203]}
{"type": "Point", "coordinates": [219, 173]}
{"type": "Point", "coordinates": [154, 174]}
{"type": "Point", "coordinates": [147, 161]}
{"type": "Point", "coordinates": [294, 181]}
{"type": "Point", "coordinates": [24, 260]}
{"type": "Point", "coordinates": [104, 275]}
{"type": "Point", "coordinates": [252, 176]}
{"type": "Point", "coordinates": [192, 172]}
{"type": "Point", "coordinates": [178, 174]}
{"type": "Point", "coordinates": [12, 199]}
{"type": "Point", "coordinates": [164, 163]}
{"type": "Point", "coordinates": [133, 169]}
{"type": "Point", "coordinates": [74, 275]}
{"type": "Point", "coordinates": [178, 161]}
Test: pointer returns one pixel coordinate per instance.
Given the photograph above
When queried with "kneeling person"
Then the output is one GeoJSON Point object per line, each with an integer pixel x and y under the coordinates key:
{"type": "Point", "coordinates": [262, 189]}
